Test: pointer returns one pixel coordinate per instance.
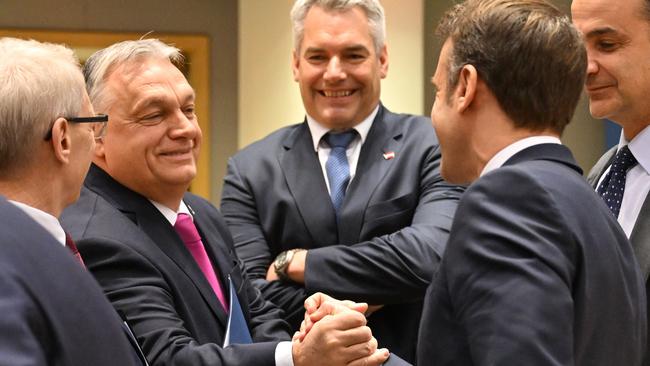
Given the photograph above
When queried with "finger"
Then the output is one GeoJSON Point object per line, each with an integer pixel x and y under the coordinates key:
{"type": "Point", "coordinates": [270, 274]}
{"type": "Point", "coordinates": [296, 337]}
{"type": "Point", "coordinates": [330, 308]}
{"type": "Point", "coordinates": [379, 357]}
{"type": "Point", "coordinates": [313, 302]}
{"type": "Point", "coordinates": [360, 350]}
{"type": "Point", "coordinates": [350, 337]}
{"type": "Point", "coordinates": [342, 318]}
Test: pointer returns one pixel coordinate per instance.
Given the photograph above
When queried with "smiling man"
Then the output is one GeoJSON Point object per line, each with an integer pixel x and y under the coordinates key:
{"type": "Point", "coordinates": [617, 37]}
{"type": "Point", "coordinates": [163, 256]}
{"type": "Point", "coordinates": [350, 202]}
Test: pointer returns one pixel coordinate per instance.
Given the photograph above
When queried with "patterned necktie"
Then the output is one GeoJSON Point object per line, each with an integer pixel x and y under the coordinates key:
{"type": "Point", "coordinates": [69, 243]}
{"type": "Point", "coordinates": [187, 231]}
{"type": "Point", "coordinates": [337, 167]}
{"type": "Point", "coordinates": [613, 185]}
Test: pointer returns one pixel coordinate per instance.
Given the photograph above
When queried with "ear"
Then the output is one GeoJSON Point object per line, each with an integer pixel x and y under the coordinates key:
{"type": "Point", "coordinates": [383, 62]}
{"type": "Point", "coordinates": [466, 90]}
{"type": "Point", "coordinates": [295, 63]}
{"type": "Point", "coordinates": [61, 141]}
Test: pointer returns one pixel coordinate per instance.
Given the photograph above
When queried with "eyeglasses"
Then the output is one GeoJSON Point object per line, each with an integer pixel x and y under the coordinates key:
{"type": "Point", "coordinates": [99, 132]}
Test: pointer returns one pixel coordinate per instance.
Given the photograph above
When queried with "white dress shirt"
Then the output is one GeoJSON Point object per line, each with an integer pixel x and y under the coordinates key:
{"type": "Point", "coordinates": [47, 221]}
{"type": "Point", "coordinates": [354, 149]}
{"type": "Point", "coordinates": [509, 151]}
{"type": "Point", "coordinates": [283, 351]}
{"type": "Point", "coordinates": [637, 180]}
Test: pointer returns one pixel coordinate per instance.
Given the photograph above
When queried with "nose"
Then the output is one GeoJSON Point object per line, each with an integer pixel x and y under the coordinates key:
{"type": "Point", "coordinates": [592, 65]}
{"type": "Point", "coordinates": [186, 126]}
{"type": "Point", "coordinates": [334, 71]}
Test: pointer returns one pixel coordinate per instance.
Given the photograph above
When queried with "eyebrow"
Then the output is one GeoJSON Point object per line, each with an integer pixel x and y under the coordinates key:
{"type": "Point", "coordinates": [354, 48]}
{"type": "Point", "coordinates": [600, 32]}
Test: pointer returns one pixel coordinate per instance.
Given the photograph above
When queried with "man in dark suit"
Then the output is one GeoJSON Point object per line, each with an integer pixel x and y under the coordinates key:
{"type": "Point", "coordinates": [374, 234]}
{"type": "Point", "coordinates": [617, 37]}
{"type": "Point", "coordinates": [537, 271]}
{"type": "Point", "coordinates": [53, 312]}
{"type": "Point", "coordinates": [165, 257]}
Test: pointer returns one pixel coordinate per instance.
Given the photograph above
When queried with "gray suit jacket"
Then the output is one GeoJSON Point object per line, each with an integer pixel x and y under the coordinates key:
{"type": "Point", "coordinates": [392, 231]}
{"type": "Point", "coordinates": [640, 237]}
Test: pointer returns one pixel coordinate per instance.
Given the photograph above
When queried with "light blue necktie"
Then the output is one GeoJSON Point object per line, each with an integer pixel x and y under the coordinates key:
{"type": "Point", "coordinates": [613, 185]}
{"type": "Point", "coordinates": [337, 167]}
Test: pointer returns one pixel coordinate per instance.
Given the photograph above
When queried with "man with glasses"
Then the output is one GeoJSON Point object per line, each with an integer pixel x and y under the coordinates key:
{"type": "Point", "coordinates": [53, 312]}
{"type": "Point", "coordinates": [165, 257]}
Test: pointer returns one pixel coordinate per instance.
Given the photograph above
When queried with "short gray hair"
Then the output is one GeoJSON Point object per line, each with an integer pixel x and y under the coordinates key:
{"type": "Point", "coordinates": [372, 8]}
{"type": "Point", "coordinates": [99, 66]}
{"type": "Point", "coordinates": [39, 82]}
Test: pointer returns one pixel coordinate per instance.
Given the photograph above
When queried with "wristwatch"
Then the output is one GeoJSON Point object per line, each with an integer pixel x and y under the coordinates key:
{"type": "Point", "coordinates": [282, 261]}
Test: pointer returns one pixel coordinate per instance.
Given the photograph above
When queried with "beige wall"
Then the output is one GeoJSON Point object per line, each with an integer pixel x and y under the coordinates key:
{"type": "Point", "coordinates": [268, 96]}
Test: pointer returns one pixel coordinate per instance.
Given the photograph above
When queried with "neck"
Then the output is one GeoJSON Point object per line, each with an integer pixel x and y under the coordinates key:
{"type": "Point", "coordinates": [33, 193]}
{"type": "Point", "coordinates": [499, 136]}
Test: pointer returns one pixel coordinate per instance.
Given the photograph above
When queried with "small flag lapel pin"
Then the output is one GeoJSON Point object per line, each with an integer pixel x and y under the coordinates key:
{"type": "Point", "coordinates": [389, 155]}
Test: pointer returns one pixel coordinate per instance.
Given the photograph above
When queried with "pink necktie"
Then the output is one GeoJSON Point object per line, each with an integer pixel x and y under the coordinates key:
{"type": "Point", "coordinates": [187, 231]}
{"type": "Point", "coordinates": [69, 243]}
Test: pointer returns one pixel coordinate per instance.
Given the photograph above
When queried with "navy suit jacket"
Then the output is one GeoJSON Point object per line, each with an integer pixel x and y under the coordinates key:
{"type": "Point", "coordinates": [147, 273]}
{"type": "Point", "coordinates": [52, 311]}
{"type": "Point", "coordinates": [393, 224]}
{"type": "Point", "coordinates": [537, 272]}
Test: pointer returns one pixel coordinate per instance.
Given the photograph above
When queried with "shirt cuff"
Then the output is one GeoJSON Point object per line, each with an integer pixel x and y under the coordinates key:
{"type": "Point", "coordinates": [284, 354]}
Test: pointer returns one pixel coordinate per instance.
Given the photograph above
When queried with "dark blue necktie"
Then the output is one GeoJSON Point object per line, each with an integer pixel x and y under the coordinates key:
{"type": "Point", "coordinates": [613, 185]}
{"type": "Point", "coordinates": [337, 167]}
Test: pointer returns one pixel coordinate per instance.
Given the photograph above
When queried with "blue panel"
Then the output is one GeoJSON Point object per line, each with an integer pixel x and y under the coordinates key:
{"type": "Point", "coordinates": [612, 134]}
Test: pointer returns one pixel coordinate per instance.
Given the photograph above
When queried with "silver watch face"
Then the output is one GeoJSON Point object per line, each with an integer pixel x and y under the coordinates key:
{"type": "Point", "coordinates": [281, 260]}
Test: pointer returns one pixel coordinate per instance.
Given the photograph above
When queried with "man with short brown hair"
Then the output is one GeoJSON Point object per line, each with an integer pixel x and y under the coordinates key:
{"type": "Point", "coordinates": [537, 271]}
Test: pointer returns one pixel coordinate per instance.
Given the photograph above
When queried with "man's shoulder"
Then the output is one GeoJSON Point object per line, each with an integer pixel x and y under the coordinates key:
{"type": "Point", "coordinates": [271, 142]}
{"type": "Point", "coordinates": [92, 213]}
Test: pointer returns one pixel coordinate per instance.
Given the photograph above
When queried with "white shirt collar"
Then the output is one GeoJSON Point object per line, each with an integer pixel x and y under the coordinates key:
{"type": "Point", "coordinates": [509, 151]}
{"type": "Point", "coordinates": [49, 222]}
{"type": "Point", "coordinates": [640, 147]}
{"type": "Point", "coordinates": [170, 214]}
{"type": "Point", "coordinates": [318, 130]}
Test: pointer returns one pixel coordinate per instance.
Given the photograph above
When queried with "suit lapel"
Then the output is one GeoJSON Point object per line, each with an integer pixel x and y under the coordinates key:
{"type": "Point", "coordinates": [222, 261]}
{"type": "Point", "coordinates": [601, 165]}
{"type": "Point", "coordinates": [384, 136]}
{"type": "Point", "coordinates": [304, 176]}
{"type": "Point", "coordinates": [158, 229]}
{"type": "Point", "coordinates": [640, 238]}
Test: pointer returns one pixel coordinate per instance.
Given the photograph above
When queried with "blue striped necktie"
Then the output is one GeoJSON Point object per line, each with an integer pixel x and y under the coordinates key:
{"type": "Point", "coordinates": [337, 166]}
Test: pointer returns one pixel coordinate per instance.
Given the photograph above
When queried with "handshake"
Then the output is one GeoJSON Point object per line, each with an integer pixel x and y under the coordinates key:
{"type": "Point", "coordinates": [334, 332]}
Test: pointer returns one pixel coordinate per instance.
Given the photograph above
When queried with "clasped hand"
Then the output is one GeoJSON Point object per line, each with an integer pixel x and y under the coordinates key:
{"type": "Point", "coordinates": [334, 333]}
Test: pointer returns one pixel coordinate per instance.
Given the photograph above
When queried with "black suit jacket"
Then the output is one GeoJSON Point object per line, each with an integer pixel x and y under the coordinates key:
{"type": "Point", "coordinates": [393, 224]}
{"type": "Point", "coordinates": [537, 272]}
{"type": "Point", "coordinates": [146, 272]}
{"type": "Point", "coordinates": [52, 311]}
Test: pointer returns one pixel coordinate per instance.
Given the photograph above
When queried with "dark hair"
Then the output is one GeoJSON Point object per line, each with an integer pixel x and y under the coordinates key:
{"type": "Point", "coordinates": [526, 51]}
